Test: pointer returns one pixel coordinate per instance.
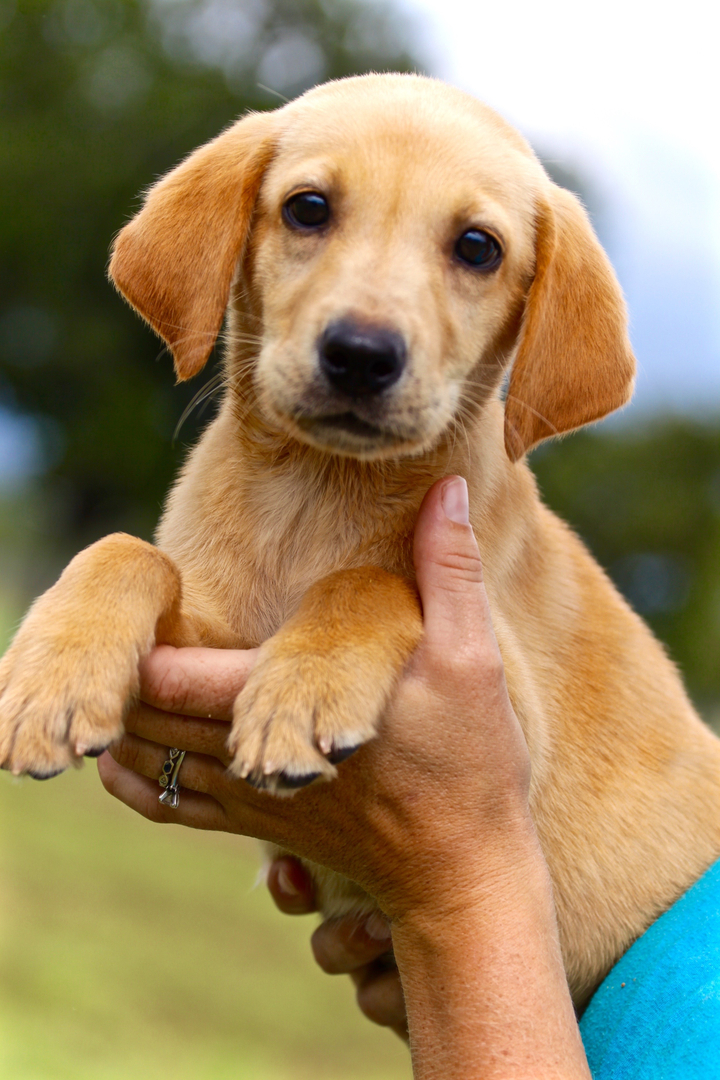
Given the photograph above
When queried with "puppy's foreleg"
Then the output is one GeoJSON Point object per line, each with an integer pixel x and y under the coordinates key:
{"type": "Point", "coordinates": [320, 684]}
{"type": "Point", "coordinates": [66, 680]}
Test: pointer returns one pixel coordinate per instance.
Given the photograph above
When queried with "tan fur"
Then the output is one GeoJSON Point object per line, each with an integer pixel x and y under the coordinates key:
{"type": "Point", "coordinates": [574, 363]}
{"type": "Point", "coordinates": [288, 532]}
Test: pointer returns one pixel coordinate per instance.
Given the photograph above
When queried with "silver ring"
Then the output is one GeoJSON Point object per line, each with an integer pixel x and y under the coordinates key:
{"type": "Point", "coordinates": [168, 779]}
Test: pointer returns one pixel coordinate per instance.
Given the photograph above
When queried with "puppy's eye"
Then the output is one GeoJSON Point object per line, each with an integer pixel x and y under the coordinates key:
{"type": "Point", "coordinates": [308, 210]}
{"type": "Point", "coordinates": [480, 249]}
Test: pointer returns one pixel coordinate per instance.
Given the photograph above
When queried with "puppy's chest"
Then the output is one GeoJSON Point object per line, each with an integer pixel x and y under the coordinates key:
{"type": "Point", "coordinates": [255, 575]}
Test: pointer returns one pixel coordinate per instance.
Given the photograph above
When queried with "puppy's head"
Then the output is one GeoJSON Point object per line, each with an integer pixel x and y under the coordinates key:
{"type": "Point", "coordinates": [389, 246]}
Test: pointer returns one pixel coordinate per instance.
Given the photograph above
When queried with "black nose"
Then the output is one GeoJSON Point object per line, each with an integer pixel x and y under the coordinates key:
{"type": "Point", "coordinates": [361, 360]}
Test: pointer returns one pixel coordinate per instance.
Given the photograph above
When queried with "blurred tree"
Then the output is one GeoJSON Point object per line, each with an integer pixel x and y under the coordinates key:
{"type": "Point", "coordinates": [647, 502]}
{"type": "Point", "coordinates": [98, 98]}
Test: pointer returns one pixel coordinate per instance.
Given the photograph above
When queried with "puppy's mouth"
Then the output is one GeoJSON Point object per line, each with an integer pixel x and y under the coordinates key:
{"type": "Point", "coordinates": [349, 433]}
{"type": "Point", "coordinates": [346, 422]}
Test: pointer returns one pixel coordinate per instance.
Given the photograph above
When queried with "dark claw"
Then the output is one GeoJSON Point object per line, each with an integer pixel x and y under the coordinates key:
{"type": "Point", "coordinates": [338, 755]}
{"type": "Point", "coordinates": [45, 776]}
{"type": "Point", "coordinates": [96, 751]}
{"type": "Point", "coordinates": [281, 782]}
{"type": "Point", "coordinates": [285, 780]}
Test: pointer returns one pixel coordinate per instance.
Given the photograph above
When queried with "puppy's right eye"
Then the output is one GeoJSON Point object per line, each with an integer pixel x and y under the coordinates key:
{"type": "Point", "coordinates": [308, 210]}
{"type": "Point", "coordinates": [479, 249]}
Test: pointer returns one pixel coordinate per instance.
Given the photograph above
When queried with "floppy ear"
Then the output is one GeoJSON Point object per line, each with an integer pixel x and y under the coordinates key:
{"type": "Point", "coordinates": [574, 363]}
{"type": "Point", "coordinates": [174, 261]}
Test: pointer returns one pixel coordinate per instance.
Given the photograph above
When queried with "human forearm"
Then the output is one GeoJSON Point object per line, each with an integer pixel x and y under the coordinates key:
{"type": "Point", "coordinates": [484, 985]}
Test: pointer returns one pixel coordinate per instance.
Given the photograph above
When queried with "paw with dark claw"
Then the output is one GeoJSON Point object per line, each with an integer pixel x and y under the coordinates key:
{"type": "Point", "coordinates": [338, 755]}
{"type": "Point", "coordinates": [59, 704]}
{"type": "Point", "coordinates": [95, 751]}
{"type": "Point", "coordinates": [298, 717]}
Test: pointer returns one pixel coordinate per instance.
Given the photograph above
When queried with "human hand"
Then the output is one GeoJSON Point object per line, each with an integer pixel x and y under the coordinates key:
{"type": "Point", "coordinates": [411, 817]}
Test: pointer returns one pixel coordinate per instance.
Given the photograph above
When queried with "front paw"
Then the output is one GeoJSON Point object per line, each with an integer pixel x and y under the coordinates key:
{"type": "Point", "coordinates": [60, 698]}
{"type": "Point", "coordinates": [67, 677]}
{"type": "Point", "coordinates": [321, 683]}
{"type": "Point", "coordinates": [301, 713]}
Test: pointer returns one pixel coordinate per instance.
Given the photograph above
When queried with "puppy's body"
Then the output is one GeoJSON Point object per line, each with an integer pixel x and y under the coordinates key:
{"type": "Point", "coordinates": [626, 778]}
{"type": "Point", "coordinates": [292, 521]}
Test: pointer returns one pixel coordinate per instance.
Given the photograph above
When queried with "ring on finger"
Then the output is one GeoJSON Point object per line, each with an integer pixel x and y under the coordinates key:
{"type": "Point", "coordinates": [169, 778]}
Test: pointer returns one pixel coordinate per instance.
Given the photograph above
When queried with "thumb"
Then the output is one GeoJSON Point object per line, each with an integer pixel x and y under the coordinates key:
{"type": "Point", "coordinates": [448, 568]}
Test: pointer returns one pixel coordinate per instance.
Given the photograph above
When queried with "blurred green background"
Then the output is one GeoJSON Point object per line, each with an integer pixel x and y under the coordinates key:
{"type": "Point", "coordinates": [127, 950]}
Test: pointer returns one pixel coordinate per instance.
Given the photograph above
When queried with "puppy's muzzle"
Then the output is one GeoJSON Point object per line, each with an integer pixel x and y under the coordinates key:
{"type": "Point", "coordinates": [361, 361]}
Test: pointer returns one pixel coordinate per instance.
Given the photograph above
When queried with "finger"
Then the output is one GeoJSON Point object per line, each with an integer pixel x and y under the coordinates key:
{"type": "Point", "coordinates": [380, 997]}
{"type": "Point", "coordinates": [195, 682]}
{"type": "Point", "coordinates": [198, 772]}
{"type": "Point", "coordinates": [187, 733]}
{"type": "Point", "coordinates": [291, 886]}
{"type": "Point", "coordinates": [341, 946]}
{"type": "Point", "coordinates": [449, 570]}
{"type": "Point", "coordinates": [253, 813]}
{"type": "Point", "coordinates": [143, 795]}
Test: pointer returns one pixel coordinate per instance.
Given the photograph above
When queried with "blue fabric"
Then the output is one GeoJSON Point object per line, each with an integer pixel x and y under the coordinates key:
{"type": "Point", "coordinates": [657, 1014]}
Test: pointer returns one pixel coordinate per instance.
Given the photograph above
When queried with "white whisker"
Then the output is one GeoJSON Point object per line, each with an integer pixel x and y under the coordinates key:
{"type": "Point", "coordinates": [275, 93]}
{"type": "Point", "coordinates": [207, 391]}
{"type": "Point", "coordinates": [518, 401]}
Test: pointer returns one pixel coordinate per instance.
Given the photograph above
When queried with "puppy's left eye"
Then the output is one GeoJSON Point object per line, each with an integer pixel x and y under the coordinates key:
{"type": "Point", "coordinates": [308, 210]}
{"type": "Point", "coordinates": [480, 249]}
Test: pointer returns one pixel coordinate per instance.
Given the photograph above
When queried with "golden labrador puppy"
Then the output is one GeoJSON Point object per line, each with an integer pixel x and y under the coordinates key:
{"type": "Point", "coordinates": [385, 249]}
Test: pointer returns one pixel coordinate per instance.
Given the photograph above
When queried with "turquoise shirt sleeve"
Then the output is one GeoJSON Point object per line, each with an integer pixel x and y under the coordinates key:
{"type": "Point", "coordinates": [657, 1014]}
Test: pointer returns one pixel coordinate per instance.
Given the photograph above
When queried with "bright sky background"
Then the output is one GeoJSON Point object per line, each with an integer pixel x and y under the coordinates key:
{"type": "Point", "coordinates": [628, 94]}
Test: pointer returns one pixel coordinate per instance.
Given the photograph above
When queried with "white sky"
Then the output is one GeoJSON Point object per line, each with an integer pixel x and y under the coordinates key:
{"type": "Point", "coordinates": [629, 94]}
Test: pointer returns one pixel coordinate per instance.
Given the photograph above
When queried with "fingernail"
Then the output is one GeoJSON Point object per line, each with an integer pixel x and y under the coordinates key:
{"type": "Point", "coordinates": [285, 882]}
{"type": "Point", "coordinates": [455, 501]}
{"type": "Point", "coordinates": [377, 927]}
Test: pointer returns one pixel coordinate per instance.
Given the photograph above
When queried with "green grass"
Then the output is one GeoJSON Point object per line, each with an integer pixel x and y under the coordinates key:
{"type": "Point", "coordinates": [133, 951]}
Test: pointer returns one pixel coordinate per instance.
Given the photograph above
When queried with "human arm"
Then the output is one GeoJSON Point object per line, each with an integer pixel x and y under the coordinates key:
{"type": "Point", "coordinates": [431, 818]}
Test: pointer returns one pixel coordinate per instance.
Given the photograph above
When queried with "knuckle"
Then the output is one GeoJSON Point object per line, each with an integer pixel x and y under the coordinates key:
{"type": "Point", "coordinates": [133, 757]}
{"type": "Point", "coordinates": [121, 751]}
{"type": "Point", "coordinates": [132, 716]}
{"type": "Point", "coordinates": [163, 680]}
{"type": "Point", "coordinates": [338, 946]}
{"type": "Point", "coordinates": [380, 999]}
{"type": "Point", "coordinates": [171, 689]}
{"type": "Point", "coordinates": [367, 999]}
{"type": "Point", "coordinates": [460, 569]}
{"type": "Point", "coordinates": [324, 948]}
{"type": "Point", "coordinates": [472, 662]}
{"type": "Point", "coordinates": [481, 662]}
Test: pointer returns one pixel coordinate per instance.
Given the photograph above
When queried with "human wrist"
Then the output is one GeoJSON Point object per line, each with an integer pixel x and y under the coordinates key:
{"type": "Point", "coordinates": [459, 866]}
{"type": "Point", "coordinates": [481, 876]}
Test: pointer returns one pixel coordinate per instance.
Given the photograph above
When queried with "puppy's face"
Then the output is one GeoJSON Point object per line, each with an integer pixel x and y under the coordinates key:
{"type": "Point", "coordinates": [387, 245]}
{"type": "Point", "coordinates": [388, 265]}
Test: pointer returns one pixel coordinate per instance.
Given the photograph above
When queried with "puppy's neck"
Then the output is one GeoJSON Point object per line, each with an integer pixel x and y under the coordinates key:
{"type": "Point", "coordinates": [388, 490]}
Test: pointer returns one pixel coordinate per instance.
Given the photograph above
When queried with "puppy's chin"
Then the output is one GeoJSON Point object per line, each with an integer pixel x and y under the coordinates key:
{"type": "Point", "coordinates": [349, 435]}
